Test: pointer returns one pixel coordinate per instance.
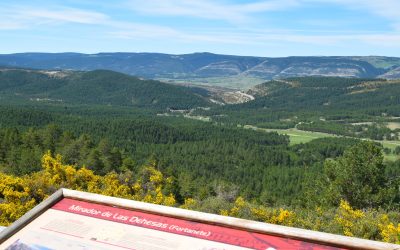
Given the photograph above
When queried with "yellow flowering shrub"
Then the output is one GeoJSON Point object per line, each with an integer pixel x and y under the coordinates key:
{"type": "Point", "coordinates": [261, 213]}
{"type": "Point", "coordinates": [238, 207]}
{"type": "Point", "coordinates": [283, 217]}
{"type": "Point", "coordinates": [148, 187]}
{"type": "Point", "coordinates": [189, 203]}
{"type": "Point", "coordinates": [20, 194]}
{"type": "Point", "coordinates": [169, 200]}
{"type": "Point", "coordinates": [347, 218]}
{"type": "Point", "coordinates": [319, 222]}
{"type": "Point", "coordinates": [388, 231]}
{"type": "Point", "coordinates": [15, 199]}
{"type": "Point", "coordinates": [244, 209]}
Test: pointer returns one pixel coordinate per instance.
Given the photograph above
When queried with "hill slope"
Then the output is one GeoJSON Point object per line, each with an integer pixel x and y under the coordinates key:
{"type": "Point", "coordinates": [94, 87]}
{"type": "Point", "coordinates": [326, 93]}
{"type": "Point", "coordinates": [285, 103]}
{"type": "Point", "coordinates": [207, 65]}
{"type": "Point", "coordinates": [392, 74]}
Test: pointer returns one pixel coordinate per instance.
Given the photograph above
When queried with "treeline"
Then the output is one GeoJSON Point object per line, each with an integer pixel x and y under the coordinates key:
{"type": "Point", "coordinates": [372, 131]}
{"type": "Point", "coordinates": [259, 165]}
{"type": "Point", "coordinates": [20, 152]}
{"type": "Point", "coordinates": [201, 156]}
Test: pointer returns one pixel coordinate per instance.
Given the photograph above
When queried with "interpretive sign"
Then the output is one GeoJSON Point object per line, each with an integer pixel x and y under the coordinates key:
{"type": "Point", "coordinates": [74, 223]}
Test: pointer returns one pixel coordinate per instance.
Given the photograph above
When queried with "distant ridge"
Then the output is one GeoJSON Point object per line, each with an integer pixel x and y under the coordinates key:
{"type": "Point", "coordinates": [206, 65]}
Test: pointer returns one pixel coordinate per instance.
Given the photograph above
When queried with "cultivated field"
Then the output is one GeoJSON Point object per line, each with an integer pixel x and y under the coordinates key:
{"type": "Point", "coordinates": [299, 136]}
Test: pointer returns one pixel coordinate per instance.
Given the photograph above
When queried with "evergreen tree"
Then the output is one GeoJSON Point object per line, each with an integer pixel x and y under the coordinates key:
{"type": "Point", "coordinates": [359, 177]}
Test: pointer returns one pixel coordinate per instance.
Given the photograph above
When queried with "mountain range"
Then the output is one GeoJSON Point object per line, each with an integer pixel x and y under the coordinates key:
{"type": "Point", "coordinates": [207, 65]}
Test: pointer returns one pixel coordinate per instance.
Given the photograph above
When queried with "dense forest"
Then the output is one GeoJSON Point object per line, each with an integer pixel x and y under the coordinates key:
{"type": "Point", "coordinates": [202, 154]}
{"type": "Point", "coordinates": [99, 87]}
{"type": "Point", "coordinates": [343, 106]}
{"type": "Point", "coordinates": [260, 166]}
{"type": "Point", "coordinates": [367, 208]}
{"type": "Point", "coordinates": [335, 184]}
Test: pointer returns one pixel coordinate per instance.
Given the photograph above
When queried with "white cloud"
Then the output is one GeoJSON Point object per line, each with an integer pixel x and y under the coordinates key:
{"type": "Point", "coordinates": [387, 40]}
{"type": "Point", "coordinates": [17, 17]}
{"type": "Point", "coordinates": [388, 9]}
{"type": "Point", "coordinates": [255, 37]}
{"type": "Point", "coordinates": [69, 15]}
{"type": "Point", "coordinates": [209, 9]}
{"type": "Point", "coordinates": [139, 31]}
{"type": "Point", "coordinates": [244, 12]}
{"type": "Point", "coordinates": [9, 25]}
{"type": "Point", "coordinates": [264, 6]}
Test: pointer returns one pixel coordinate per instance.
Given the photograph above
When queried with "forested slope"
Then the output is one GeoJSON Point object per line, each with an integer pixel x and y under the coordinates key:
{"type": "Point", "coordinates": [310, 101]}
{"type": "Point", "coordinates": [99, 87]}
{"type": "Point", "coordinates": [201, 155]}
{"type": "Point", "coordinates": [327, 94]}
{"type": "Point", "coordinates": [338, 185]}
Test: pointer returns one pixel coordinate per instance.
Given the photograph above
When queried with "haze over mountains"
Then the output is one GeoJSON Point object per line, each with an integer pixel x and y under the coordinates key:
{"type": "Point", "coordinates": [207, 65]}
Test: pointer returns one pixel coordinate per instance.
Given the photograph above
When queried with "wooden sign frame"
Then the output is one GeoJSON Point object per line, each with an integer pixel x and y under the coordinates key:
{"type": "Point", "coordinates": [309, 236]}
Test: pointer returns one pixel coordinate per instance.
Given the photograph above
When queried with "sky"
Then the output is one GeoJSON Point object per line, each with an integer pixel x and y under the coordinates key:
{"type": "Point", "coordinates": [270, 28]}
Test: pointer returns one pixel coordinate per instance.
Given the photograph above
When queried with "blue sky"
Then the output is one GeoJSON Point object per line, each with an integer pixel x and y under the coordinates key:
{"type": "Point", "coordinates": [260, 28]}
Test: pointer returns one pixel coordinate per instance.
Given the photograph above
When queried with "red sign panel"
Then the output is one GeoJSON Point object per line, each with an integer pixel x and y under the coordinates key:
{"type": "Point", "coordinates": [74, 224]}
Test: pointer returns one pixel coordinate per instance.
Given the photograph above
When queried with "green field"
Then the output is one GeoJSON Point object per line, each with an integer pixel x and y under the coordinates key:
{"type": "Point", "coordinates": [299, 136]}
{"type": "Point", "coordinates": [296, 136]}
{"type": "Point", "coordinates": [392, 145]}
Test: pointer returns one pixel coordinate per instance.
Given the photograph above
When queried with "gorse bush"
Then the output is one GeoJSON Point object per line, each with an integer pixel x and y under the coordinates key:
{"type": "Point", "coordinates": [20, 194]}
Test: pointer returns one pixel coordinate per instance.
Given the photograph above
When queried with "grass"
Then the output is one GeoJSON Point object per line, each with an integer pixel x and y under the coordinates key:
{"type": "Point", "coordinates": [391, 145]}
{"type": "Point", "coordinates": [299, 136]}
{"type": "Point", "coordinates": [296, 136]}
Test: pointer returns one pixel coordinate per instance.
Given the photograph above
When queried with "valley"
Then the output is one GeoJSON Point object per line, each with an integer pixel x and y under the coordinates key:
{"type": "Point", "coordinates": [280, 112]}
{"type": "Point", "coordinates": [305, 108]}
{"type": "Point", "coordinates": [268, 147]}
